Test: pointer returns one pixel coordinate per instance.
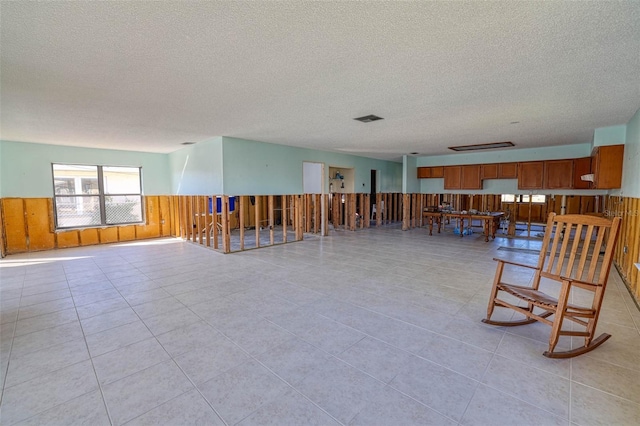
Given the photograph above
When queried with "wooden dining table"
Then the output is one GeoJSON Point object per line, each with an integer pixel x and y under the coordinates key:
{"type": "Point", "coordinates": [491, 221]}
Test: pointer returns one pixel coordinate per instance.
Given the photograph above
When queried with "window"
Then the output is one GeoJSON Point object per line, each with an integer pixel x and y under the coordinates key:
{"type": "Point", "coordinates": [87, 196]}
{"type": "Point", "coordinates": [524, 198]}
{"type": "Point", "coordinates": [534, 198]}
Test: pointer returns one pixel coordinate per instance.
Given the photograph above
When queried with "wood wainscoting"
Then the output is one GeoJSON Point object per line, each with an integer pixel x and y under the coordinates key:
{"type": "Point", "coordinates": [28, 225]}
{"type": "Point", "coordinates": [628, 249]}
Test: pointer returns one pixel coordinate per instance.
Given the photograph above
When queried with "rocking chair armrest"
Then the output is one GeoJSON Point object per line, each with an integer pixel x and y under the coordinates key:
{"type": "Point", "coordinates": [571, 281]}
{"type": "Point", "coordinates": [497, 259]}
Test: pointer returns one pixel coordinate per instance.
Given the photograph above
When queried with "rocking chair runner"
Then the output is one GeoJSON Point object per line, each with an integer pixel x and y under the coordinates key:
{"type": "Point", "coordinates": [571, 249]}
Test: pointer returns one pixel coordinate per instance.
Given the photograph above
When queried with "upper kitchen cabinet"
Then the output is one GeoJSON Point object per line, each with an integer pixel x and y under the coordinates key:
{"type": "Point", "coordinates": [558, 174]}
{"type": "Point", "coordinates": [531, 175]}
{"type": "Point", "coordinates": [606, 166]}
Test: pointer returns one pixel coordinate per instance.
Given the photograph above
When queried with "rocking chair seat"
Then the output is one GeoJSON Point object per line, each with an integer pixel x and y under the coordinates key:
{"type": "Point", "coordinates": [542, 300]}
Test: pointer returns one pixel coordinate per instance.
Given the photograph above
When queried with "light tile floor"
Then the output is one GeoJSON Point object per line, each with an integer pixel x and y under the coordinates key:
{"type": "Point", "coordinates": [371, 327]}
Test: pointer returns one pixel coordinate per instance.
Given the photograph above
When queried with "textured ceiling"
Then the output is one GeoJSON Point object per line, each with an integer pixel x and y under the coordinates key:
{"type": "Point", "coordinates": [148, 76]}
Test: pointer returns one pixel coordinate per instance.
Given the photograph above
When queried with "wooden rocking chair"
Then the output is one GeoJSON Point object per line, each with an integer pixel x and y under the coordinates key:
{"type": "Point", "coordinates": [571, 248]}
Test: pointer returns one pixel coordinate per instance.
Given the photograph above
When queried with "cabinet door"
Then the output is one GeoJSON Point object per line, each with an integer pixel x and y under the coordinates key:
{"type": "Point", "coordinates": [507, 170]}
{"type": "Point", "coordinates": [437, 172]}
{"type": "Point", "coordinates": [581, 166]}
{"type": "Point", "coordinates": [424, 172]}
{"type": "Point", "coordinates": [606, 165]}
{"type": "Point", "coordinates": [531, 175]}
{"type": "Point", "coordinates": [489, 171]}
{"type": "Point", "coordinates": [470, 177]}
{"type": "Point", "coordinates": [558, 174]}
{"type": "Point", "coordinates": [452, 177]}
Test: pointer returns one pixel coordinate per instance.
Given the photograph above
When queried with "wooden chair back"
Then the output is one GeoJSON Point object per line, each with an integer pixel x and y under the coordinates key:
{"type": "Point", "coordinates": [572, 246]}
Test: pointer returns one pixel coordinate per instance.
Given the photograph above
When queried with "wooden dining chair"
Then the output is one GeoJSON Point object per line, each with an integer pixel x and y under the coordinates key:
{"type": "Point", "coordinates": [576, 253]}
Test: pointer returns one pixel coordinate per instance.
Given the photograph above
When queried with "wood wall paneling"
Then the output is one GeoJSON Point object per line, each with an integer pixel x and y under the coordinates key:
{"type": "Point", "coordinates": [151, 228]}
{"type": "Point", "coordinates": [67, 239]}
{"type": "Point", "coordinates": [3, 250]}
{"type": "Point", "coordinates": [89, 236]}
{"type": "Point", "coordinates": [13, 212]}
{"type": "Point", "coordinates": [39, 216]}
{"type": "Point", "coordinates": [126, 233]}
{"type": "Point", "coordinates": [108, 235]}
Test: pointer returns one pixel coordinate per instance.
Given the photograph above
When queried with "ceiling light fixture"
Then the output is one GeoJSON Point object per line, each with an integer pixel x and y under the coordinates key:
{"type": "Point", "coordinates": [369, 118]}
{"type": "Point", "coordinates": [476, 147]}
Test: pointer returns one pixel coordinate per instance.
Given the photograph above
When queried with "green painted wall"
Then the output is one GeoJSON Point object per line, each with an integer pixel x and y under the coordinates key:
{"type": "Point", "coordinates": [508, 155]}
{"type": "Point", "coordinates": [410, 181]}
{"type": "Point", "coordinates": [259, 168]}
{"type": "Point", "coordinates": [631, 164]}
{"type": "Point", "coordinates": [25, 168]}
{"type": "Point", "coordinates": [612, 135]}
{"type": "Point", "coordinates": [197, 169]}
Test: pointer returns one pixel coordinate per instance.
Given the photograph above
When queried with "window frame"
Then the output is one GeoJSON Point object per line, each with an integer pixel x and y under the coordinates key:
{"type": "Point", "coordinates": [519, 198]}
{"type": "Point", "coordinates": [101, 195]}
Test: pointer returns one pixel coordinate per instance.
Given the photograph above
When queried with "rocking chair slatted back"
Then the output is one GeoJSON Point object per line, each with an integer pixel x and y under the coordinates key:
{"type": "Point", "coordinates": [570, 236]}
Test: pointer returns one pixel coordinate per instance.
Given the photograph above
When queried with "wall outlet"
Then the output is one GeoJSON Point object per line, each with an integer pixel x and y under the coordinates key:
{"type": "Point", "coordinates": [625, 249]}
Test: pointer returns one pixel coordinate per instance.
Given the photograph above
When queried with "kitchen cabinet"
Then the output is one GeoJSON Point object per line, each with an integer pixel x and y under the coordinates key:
{"type": "Point", "coordinates": [470, 177]}
{"type": "Point", "coordinates": [489, 171]}
{"type": "Point", "coordinates": [558, 174]}
{"type": "Point", "coordinates": [531, 175]}
{"type": "Point", "coordinates": [424, 172]}
{"type": "Point", "coordinates": [581, 166]}
{"type": "Point", "coordinates": [606, 166]}
{"type": "Point", "coordinates": [437, 172]}
{"type": "Point", "coordinates": [430, 172]}
{"type": "Point", "coordinates": [452, 175]}
{"type": "Point", "coordinates": [507, 170]}
{"type": "Point", "coordinates": [462, 177]}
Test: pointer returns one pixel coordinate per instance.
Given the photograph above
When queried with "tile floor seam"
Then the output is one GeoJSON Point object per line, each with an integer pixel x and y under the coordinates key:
{"type": "Point", "coordinates": [607, 393]}
{"type": "Point", "coordinates": [197, 388]}
{"type": "Point", "coordinates": [404, 322]}
{"type": "Point", "coordinates": [291, 385]}
{"type": "Point", "coordinates": [443, 414]}
{"type": "Point", "coordinates": [93, 368]}
{"type": "Point", "coordinates": [51, 372]}
{"type": "Point", "coordinates": [480, 380]}
{"type": "Point", "coordinates": [13, 336]}
{"type": "Point", "coordinates": [612, 363]}
{"type": "Point", "coordinates": [190, 381]}
{"type": "Point", "coordinates": [4, 381]}
{"type": "Point", "coordinates": [301, 394]}
{"type": "Point", "coordinates": [515, 396]}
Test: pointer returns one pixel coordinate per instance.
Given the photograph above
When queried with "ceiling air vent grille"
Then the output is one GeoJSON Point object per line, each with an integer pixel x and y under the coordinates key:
{"type": "Point", "coordinates": [476, 147]}
{"type": "Point", "coordinates": [369, 118]}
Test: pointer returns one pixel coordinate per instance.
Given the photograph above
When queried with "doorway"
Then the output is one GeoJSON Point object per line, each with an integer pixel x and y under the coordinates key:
{"type": "Point", "coordinates": [312, 177]}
